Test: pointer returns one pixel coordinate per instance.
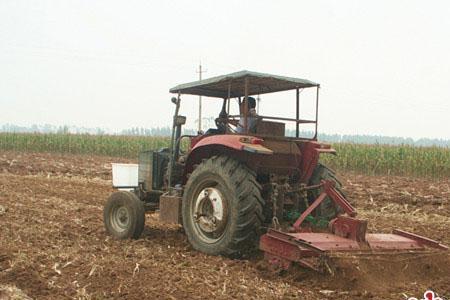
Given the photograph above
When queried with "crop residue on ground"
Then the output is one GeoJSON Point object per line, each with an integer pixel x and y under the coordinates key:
{"type": "Point", "coordinates": [53, 244]}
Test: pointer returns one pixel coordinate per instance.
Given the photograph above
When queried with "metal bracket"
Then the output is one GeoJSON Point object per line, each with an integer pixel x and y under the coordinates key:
{"type": "Point", "coordinates": [328, 190]}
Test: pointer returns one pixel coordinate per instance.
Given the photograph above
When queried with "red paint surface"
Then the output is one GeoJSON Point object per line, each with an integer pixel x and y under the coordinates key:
{"type": "Point", "coordinates": [227, 140]}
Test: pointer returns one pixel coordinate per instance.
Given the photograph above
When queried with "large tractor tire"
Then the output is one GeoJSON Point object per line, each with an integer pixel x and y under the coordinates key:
{"type": "Point", "coordinates": [222, 208]}
{"type": "Point", "coordinates": [328, 210]}
{"type": "Point", "coordinates": [124, 215]}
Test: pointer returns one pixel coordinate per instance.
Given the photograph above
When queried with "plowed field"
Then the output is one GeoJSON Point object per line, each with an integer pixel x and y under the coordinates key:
{"type": "Point", "coordinates": [53, 244]}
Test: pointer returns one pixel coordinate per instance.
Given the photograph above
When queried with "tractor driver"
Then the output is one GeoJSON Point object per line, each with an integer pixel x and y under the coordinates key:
{"type": "Point", "coordinates": [247, 107]}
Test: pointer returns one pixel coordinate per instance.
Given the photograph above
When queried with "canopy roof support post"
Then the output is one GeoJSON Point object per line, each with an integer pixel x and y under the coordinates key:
{"type": "Point", "coordinates": [317, 110]}
{"type": "Point", "coordinates": [246, 104]}
{"type": "Point", "coordinates": [297, 112]}
{"type": "Point", "coordinates": [229, 96]}
{"type": "Point", "coordinates": [172, 142]}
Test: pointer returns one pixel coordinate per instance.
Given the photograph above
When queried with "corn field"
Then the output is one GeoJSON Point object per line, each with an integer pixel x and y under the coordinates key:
{"type": "Point", "coordinates": [107, 145]}
{"type": "Point", "coordinates": [432, 162]}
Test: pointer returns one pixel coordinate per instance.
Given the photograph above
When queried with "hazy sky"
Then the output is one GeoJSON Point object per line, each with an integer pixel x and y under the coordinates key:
{"type": "Point", "coordinates": [384, 66]}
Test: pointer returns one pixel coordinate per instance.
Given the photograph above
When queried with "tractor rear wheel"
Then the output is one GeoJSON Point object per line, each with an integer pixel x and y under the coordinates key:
{"type": "Point", "coordinates": [124, 215]}
{"type": "Point", "coordinates": [222, 207]}
{"type": "Point", "coordinates": [328, 210]}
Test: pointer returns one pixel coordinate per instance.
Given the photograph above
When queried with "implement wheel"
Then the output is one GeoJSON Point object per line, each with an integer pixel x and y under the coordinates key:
{"type": "Point", "coordinates": [328, 209]}
{"type": "Point", "coordinates": [222, 208]}
{"type": "Point", "coordinates": [124, 215]}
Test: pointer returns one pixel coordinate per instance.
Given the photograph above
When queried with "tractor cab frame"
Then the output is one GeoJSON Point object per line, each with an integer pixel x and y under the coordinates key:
{"type": "Point", "coordinates": [241, 85]}
{"type": "Point", "coordinates": [269, 129]}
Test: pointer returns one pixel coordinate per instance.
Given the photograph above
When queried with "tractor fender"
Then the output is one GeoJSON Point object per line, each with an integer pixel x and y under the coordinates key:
{"type": "Point", "coordinates": [237, 146]}
{"type": "Point", "coordinates": [310, 157]}
{"type": "Point", "coordinates": [236, 142]}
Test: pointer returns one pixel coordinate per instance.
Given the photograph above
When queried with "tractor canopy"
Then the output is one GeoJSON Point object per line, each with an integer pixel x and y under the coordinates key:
{"type": "Point", "coordinates": [233, 85]}
{"type": "Point", "coordinates": [243, 84]}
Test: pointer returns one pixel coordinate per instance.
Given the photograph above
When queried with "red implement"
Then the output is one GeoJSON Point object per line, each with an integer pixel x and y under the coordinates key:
{"type": "Point", "coordinates": [346, 234]}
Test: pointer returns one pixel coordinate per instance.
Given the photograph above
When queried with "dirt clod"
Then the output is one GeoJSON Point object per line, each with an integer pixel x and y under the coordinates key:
{"type": "Point", "coordinates": [10, 292]}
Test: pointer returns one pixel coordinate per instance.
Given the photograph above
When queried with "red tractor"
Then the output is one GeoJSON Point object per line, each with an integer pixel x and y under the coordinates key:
{"type": "Point", "coordinates": [246, 182]}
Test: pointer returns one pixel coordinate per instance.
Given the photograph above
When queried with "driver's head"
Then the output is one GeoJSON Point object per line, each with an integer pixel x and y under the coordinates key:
{"type": "Point", "coordinates": [251, 102]}
{"type": "Point", "coordinates": [247, 104]}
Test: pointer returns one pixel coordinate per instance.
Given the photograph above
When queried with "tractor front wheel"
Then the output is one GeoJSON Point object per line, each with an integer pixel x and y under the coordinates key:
{"type": "Point", "coordinates": [124, 215]}
{"type": "Point", "coordinates": [222, 207]}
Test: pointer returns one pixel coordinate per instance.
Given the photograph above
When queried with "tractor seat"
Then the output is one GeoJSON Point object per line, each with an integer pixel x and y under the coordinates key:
{"type": "Point", "coordinates": [270, 128]}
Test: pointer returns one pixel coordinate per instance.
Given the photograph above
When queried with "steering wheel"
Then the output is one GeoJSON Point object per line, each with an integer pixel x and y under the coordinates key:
{"type": "Point", "coordinates": [221, 123]}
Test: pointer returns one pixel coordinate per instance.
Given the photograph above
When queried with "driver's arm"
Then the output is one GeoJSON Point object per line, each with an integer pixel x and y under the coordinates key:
{"type": "Point", "coordinates": [233, 122]}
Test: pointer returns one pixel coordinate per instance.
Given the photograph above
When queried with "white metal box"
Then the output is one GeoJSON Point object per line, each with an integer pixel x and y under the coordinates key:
{"type": "Point", "coordinates": [125, 175]}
